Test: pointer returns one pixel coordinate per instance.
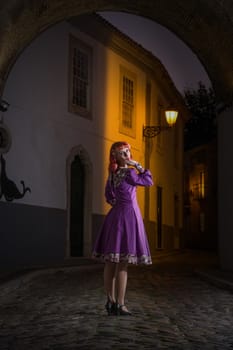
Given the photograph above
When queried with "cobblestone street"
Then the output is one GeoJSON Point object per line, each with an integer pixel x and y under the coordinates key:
{"type": "Point", "coordinates": [63, 309]}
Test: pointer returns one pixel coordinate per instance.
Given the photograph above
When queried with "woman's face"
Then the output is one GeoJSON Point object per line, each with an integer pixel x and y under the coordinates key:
{"type": "Point", "coordinates": [122, 155]}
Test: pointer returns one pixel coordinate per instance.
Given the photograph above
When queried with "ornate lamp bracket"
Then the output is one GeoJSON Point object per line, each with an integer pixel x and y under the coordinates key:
{"type": "Point", "coordinates": [154, 130]}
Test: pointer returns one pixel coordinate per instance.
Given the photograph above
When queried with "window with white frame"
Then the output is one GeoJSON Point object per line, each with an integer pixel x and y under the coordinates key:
{"type": "Point", "coordinates": [127, 102]}
{"type": "Point", "coordinates": [80, 68]}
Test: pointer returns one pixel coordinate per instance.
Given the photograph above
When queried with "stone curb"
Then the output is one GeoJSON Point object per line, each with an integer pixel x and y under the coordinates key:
{"type": "Point", "coordinates": [214, 277]}
{"type": "Point", "coordinates": [16, 279]}
{"type": "Point", "coordinates": [25, 273]}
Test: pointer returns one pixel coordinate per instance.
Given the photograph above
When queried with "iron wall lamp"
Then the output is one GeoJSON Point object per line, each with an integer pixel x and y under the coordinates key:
{"type": "Point", "coordinates": [154, 130]}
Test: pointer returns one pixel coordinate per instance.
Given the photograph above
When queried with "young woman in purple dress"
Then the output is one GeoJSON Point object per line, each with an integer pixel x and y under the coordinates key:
{"type": "Point", "coordinates": [122, 238]}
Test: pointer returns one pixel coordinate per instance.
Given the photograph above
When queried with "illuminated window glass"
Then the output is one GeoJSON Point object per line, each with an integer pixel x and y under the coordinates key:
{"type": "Point", "coordinates": [127, 107]}
{"type": "Point", "coordinates": [202, 184]}
{"type": "Point", "coordinates": [127, 103]}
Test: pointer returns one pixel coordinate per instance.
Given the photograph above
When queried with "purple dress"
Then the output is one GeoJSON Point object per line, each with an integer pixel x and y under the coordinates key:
{"type": "Point", "coordinates": [122, 236]}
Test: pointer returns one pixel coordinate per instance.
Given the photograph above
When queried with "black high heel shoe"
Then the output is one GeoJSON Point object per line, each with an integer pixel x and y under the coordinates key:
{"type": "Point", "coordinates": [122, 312]}
{"type": "Point", "coordinates": [111, 308]}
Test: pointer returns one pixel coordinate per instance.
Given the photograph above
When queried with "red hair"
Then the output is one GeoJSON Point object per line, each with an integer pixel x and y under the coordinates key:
{"type": "Point", "coordinates": [112, 156]}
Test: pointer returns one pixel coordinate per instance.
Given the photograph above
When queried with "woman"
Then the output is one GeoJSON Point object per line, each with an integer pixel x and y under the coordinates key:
{"type": "Point", "coordinates": [122, 239]}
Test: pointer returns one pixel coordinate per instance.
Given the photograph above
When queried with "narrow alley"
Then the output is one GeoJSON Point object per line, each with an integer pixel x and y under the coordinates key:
{"type": "Point", "coordinates": [63, 308]}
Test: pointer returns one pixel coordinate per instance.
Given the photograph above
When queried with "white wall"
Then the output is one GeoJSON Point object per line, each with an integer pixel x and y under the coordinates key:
{"type": "Point", "coordinates": [43, 131]}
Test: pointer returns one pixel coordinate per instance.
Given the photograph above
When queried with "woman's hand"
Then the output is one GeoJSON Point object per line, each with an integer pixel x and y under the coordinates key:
{"type": "Point", "coordinates": [131, 162]}
{"type": "Point", "coordinates": [136, 165]}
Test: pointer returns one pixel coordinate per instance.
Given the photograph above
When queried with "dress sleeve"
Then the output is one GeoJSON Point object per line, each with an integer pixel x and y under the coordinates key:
{"type": "Point", "coordinates": [109, 192]}
{"type": "Point", "coordinates": [139, 179]}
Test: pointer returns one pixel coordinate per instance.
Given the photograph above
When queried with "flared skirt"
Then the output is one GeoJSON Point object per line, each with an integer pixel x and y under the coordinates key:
{"type": "Point", "coordinates": [123, 237]}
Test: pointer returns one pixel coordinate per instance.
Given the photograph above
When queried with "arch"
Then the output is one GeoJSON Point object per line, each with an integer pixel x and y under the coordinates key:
{"type": "Point", "coordinates": [205, 26]}
{"type": "Point", "coordinates": [87, 218]}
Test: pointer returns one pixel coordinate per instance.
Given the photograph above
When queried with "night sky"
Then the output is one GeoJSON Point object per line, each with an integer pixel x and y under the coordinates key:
{"type": "Point", "coordinates": [181, 63]}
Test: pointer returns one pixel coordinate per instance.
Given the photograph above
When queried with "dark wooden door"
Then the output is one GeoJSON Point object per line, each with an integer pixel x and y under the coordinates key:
{"type": "Point", "coordinates": [77, 207]}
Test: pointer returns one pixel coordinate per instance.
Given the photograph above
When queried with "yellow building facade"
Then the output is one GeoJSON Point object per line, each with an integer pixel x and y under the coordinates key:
{"type": "Point", "coordinates": [152, 92]}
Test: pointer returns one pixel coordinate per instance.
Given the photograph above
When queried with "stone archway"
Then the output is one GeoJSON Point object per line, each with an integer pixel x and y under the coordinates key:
{"type": "Point", "coordinates": [205, 26]}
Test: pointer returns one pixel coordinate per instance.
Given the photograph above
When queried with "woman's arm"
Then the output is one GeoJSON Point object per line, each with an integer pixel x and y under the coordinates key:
{"type": "Point", "coordinates": [139, 179]}
{"type": "Point", "coordinates": [109, 193]}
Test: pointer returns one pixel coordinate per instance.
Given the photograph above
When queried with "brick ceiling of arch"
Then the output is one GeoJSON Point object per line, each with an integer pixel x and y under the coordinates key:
{"type": "Point", "coordinates": [206, 26]}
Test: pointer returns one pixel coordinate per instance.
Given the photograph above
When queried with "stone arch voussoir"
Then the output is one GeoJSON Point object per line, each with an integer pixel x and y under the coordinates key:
{"type": "Point", "coordinates": [205, 26]}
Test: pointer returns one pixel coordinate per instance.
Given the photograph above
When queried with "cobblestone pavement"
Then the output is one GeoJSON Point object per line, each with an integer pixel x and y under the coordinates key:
{"type": "Point", "coordinates": [63, 309]}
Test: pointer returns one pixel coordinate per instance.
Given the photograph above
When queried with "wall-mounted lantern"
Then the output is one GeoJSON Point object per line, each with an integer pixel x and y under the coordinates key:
{"type": "Point", "coordinates": [171, 115]}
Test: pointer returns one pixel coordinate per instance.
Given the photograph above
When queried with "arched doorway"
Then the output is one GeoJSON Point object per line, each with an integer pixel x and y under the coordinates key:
{"type": "Point", "coordinates": [77, 184]}
{"type": "Point", "coordinates": [79, 195]}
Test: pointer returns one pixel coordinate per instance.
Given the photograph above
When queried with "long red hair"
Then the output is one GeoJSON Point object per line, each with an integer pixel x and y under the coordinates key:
{"type": "Point", "coordinates": [116, 146]}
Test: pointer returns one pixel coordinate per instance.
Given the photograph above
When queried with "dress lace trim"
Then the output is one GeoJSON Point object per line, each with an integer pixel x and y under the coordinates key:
{"type": "Point", "coordinates": [119, 176]}
{"type": "Point", "coordinates": [130, 258]}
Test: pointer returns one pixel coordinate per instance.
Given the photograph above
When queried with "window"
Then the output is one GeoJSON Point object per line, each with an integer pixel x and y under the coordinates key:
{"type": "Point", "coordinates": [80, 78]}
{"type": "Point", "coordinates": [202, 185]}
{"type": "Point", "coordinates": [127, 103]}
{"type": "Point", "coordinates": [198, 185]}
